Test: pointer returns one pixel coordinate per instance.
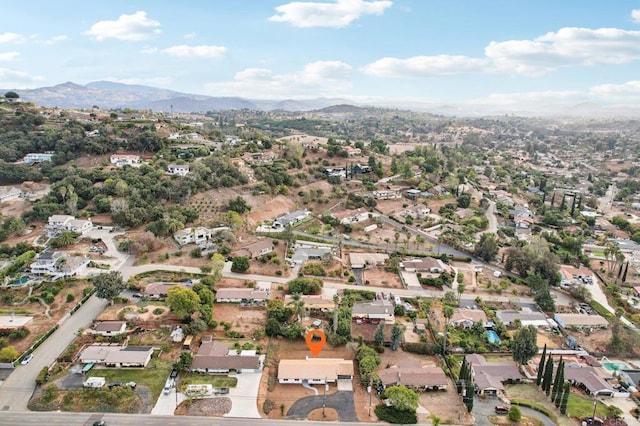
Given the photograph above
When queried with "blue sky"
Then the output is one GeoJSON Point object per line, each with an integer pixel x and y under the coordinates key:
{"type": "Point", "coordinates": [461, 51]}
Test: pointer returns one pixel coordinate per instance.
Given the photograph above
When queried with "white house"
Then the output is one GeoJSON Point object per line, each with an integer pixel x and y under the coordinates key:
{"type": "Point", "coordinates": [314, 370]}
{"type": "Point", "coordinates": [239, 295]}
{"type": "Point", "coordinates": [198, 235]}
{"type": "Point", "coordinates": [121, 160]}
{"type": "Point", "coordinates": [354, 216]}
{"type": "Point", "coordinates": [58, 265]}
{"type": "Point", "coordinates": [117, 356]}
{"type": "Point", "coordinates": [387, 194]}
{"type": "Point", "coordinates": [64, 222]}
{"type": "Point", "coordinates": [109, 328]}
{"type": "Point", "coordinates": [178, 169]}
{"type": "Point", "coordinates": [9, 193]}
{"type": "Point", "coordinates": [290, 219]}
{"type": "Point", "coordinates": [38, 157]}
{"type": "Point", "coordinates": [379, 310]}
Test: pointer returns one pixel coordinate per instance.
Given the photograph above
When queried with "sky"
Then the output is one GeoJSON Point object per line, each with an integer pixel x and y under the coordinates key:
{"type": "Point", "coordinates": [498, 52]}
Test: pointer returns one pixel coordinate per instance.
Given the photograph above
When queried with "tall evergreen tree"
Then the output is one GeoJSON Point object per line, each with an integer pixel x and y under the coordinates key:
{"type": "Point", "coordinates": [541, 366]}
{"type": "Point", "coordinates": [624, 276]}
{"type": "Point", "coordinates": [565, 398]}
{"type": "Point", "coordinates": [556, 382]}
{"type": "Point", "coordinates": [548, 376]}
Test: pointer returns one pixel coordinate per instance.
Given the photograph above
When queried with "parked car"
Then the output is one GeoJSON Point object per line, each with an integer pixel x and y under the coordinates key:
{"type": "Point", "coordinates": [592, 421]}
{"type": "Point", "coordinates": [114, 384]}
{"type": "Point", "coordinates": [502, 409]}
{"type": "Point", "coordinates": [27, 359]}
{"type": "Point", "coordinates": [132, 385]}
{"type": "Point", "coordinates": [99, 423]}
{"type": "Point", "coordinates": [137, 295]}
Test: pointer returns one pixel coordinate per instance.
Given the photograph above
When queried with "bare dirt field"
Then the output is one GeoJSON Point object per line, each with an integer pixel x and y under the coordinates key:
{"type": "Point", "coordinates": [215, 407]}
{"type": "Point", "coordinates": [378, 277]}
{"type": "Point", "coordinates": [244, 320]}
{"type": "Point", "coordinates": [268, 208]}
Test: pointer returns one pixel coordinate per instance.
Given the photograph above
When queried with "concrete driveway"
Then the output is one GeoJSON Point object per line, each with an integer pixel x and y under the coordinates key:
{"type": "Point", "coordinates": [341, 401]}
{"type": "Point", "coordinates": [244, 397]}
{"type": "Point", "coordinates": [167, 403]}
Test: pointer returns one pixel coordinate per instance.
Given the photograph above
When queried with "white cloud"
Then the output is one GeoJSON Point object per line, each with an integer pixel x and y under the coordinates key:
{"type": "Point", "coordinates": [337, 14]}
{"type": "Point", "coordinates": [8, 56]}
{"type": "Point", "coordinates": [148, 50]}
{"type": "Point", "coordinates": [11, 78]}
{"type": "Point", "coordinates": [421, 66]}
{"type": "Point", "coordinates": [190, 36]}
{"type": "Point", "coordinates": [624, 90]}
{"type": "Point", "coordinates": [568, 47]}
{"type": "Point", "coordinates": [11, 38]}
{"type": "Point", "coordinates": [56, 39]}
{"type": "Point", "coordinates": [635, 16]}
{"type": "Point", "coordinates": [322, 78]}
{"type": "Point", "coordinates": [148, 81]}
{"type": "Point", "coordinates": [133, 27]}
{"type": "Point", "coordinates": [197, 51]}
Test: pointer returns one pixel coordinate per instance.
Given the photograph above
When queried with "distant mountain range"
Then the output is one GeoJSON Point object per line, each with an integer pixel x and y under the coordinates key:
{"type": "Point", "coordinates": [108, 94]}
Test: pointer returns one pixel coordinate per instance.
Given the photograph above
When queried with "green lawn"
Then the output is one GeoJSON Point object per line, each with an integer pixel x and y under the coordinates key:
{"type": "Point", "coordinates": [580, 406]}
{"type": "Point", "coordinates": [203, 379]}
{"type": "Point", "coordinates": [153, 377]}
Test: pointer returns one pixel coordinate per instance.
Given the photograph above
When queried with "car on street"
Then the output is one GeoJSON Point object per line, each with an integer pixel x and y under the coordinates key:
{"type": "Point", "coordinates": [502, 409]}
{"type": "Point", "coordinates": [99, 423]}
{"type": "Point", "coordinates": [27, 359]}
{"type": "Point", "coordinates": [592, 421]}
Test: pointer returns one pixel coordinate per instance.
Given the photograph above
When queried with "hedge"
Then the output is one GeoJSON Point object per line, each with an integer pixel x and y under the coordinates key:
{"type": "Point", "coordinates": [36, 344]}
{"type": "Point", "coordinates": [534, 406]}
{"type": "Point", "coordinates": [420, 348]}
{"type": "Point", "coordinates": [391, 415]}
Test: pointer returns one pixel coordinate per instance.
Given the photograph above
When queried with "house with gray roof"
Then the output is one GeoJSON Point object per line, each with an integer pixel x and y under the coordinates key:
{"type": "Point", "coordinates": [379, 310]}
{"type": "Point", "coordinates": [215, 357]}
{"type": "Point", "coordinates": [490, 377]}
{"type": "Point", "coordinates": [525, 315]}
{"type": "Point", "coordinates": [412, 375]}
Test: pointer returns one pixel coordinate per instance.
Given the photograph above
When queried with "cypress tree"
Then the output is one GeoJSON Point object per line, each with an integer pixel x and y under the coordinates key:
{"type": "Point", "coordinates": [556, 381]}
{"type": "Point", "coordinates": [565, 398]}
{"type": "Point", "coordinates": [560, 393]}
{"type": "Point", "coordinates": [624, 276]}
{"type": "Point", "coordinates": [541, 365]}
{"type": "Point", "coordinates": [573, 206]}
{"type": "Point", "coordinates": [548, 377]}
{"type": "Point", "coordinates": [553, 198]}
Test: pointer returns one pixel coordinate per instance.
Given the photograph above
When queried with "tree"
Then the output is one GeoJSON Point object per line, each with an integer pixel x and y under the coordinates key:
{"type": "Point", "coordinates": [548, 376]}
{"type": "Point", "coordinates": [240, 264]}
{"type": "Point", "coordinates": [515, 414]}
{"type": "Point", "coordinates": [217, 264]}
{"type": "Point", "coordinates": [524, 344]}
{"type": "Point", "coordinates": [487, 247]}
{"type": "Point", "coordinates": [272, 328]}
{"type": "Point", "coordinates": [183, 301]}
{"type": "Point", "coordinates": [108, 285]}
{"type": "Point", "coordinates": [378, 337]}
{"type": "Point", "coordinates": [461, 288]}
{"type": "Point", "coordinates": [239, 205]}
{"type": "Point", "coordinates": [565, 398]}
{"type": "Point", "coordinates": [12, 95]}
{"type": "Point", "coordinates": [558, 382]}
{"type": "Point", "coordinates": [402, 398]}
{"type": "Point", "coordinates": [541, 366]}
{"type": "Point", "coordinates": [298, 305]}
{"type": "Point", "coordinates": [8, 354]}
{"type": "Point", "coordinates": [464, 200]}
{"type": "Point", "coordinates": [185, 361]}
{"type": "Point", "coordinates": [396, 336]}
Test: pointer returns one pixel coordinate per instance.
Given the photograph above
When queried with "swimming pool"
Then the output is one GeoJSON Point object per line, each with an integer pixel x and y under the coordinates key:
{"type": "Point", "coordinates": [614, 366]}
{"type": "Point", "coordinates": [19, 281]}
{"type": "Point", "coordinates": [493, 337]}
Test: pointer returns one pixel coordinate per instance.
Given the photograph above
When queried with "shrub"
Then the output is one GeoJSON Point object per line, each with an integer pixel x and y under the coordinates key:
{"type": "Point", "coordinates": [515, 414]}
{"type": "Point", "coordinates": [70, 297]}
{"type": "Point", "coordinates": [267, 406]}
{"type": "Point", "coordinates": [391, 415]}
{"type": "Point", "coordinates": [420, 348]}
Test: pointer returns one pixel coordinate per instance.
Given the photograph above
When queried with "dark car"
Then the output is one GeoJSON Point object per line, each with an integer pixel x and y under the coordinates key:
{"type": "Point", "coordinates": [114, 384]}
{"type": "Point", "coordinates": [174, 374]}
{"type": "Point", "coordinates": [99, 423]}
{"type": "Point", "coordinates": [502, 409]}
{"type": "Point", "coordinates": [592, 421]}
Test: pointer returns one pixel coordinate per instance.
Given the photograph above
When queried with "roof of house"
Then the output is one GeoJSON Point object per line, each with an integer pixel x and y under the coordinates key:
{"type": "Point", "coordinates": [582, 320]}
{"type": "Point", "coordinates": [116, 354]}
{"type": "Point", "coordinates": [424, 264]}
{"type": "Point", "coordinates": [361, 259]}
{"type": "Point", "coordinates": [413, 376]}
{"type": "Point", "coordinates": [215, 355]}
{"type": "Point", "coordinates": [376, 307]}
{"type": "Point", "coordinates": [110, 325]}
{"type": "Point", "coordinates": [508, 316]}
{"type": "Point", "coordinates": [291, 217]}
{"type": "Point", "coordinates": [588, 376]}
{"type": "Point", "coordinates": [240, 293]}
{"type": "Point", "coordinates": [315, 368]}
{"type": "Point", "coordinates": [475, 315]}
{"type": "Point", "coordinates": [490, 375]}
{"type": "Point", "coordinates": [257, 247]}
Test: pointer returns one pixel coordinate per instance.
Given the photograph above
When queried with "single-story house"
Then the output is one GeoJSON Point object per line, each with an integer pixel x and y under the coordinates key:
{"type": "Point", "coordinates": [588, 379]}
{"type": "Point", "coordinates": [353, 216]}
{"type": "Point", "coordinates": [239, 295]}
{"type": "Point", "coordinates": [581, 321]}
{"type": "Point", "coordinates": [526, 317]}
{"type": "Point", "coordinates": [426, 264]}
{"type": "Point", "coordinates": [466, 318]}
{"type": "Point", "coordinates": [414, 376]}
{"type": "Point", "coordinates": [8, 193]}
{"type": "Point", "coordinates": [489, 377]}
{"type": "Point", "coordinates": [378, 310]}
{"type": "Point", "coordinates": [178, 169]}
{"type": "Point", "coordinates": [361, 260]}
{"type": "Point", "coordinates": [160, 290]}
{"type": "Point", "coordinates": [315, 370]}
{"type": "Point", "coordinates": [121, 160]}
{"type": "Point", "coordinates": [257, 249]}
{"type": "Point", "coordinates": [215, 357]}
{"type": "Point", "coordinates": [116, 356]}
{"type": "Point", "coordinates": [290, 219]}
{"type": "Point", "coordinates": [387, 194]}
{"type": "Point", "coordinates": [109, 328]}
{"type": "Point", "coordinates": [198, 235]}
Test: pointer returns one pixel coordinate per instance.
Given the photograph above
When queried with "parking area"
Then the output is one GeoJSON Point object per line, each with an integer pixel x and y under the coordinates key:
{"type": "Point", "coordinates": [244, 397]}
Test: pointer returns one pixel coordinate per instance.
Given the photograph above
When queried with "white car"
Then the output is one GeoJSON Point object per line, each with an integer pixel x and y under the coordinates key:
{"type": "Point", "coordinates": [26, 359]}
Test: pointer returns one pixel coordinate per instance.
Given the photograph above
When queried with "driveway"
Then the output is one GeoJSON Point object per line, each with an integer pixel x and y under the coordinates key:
{"type": "Point", "coordinates": [482, 409]}
{"type": "Point", "coordinates": [341, 401]}
{"type": "Point", "coordinates": [244, 397]}
{"type": "Point", "coordinates": [167, 403]}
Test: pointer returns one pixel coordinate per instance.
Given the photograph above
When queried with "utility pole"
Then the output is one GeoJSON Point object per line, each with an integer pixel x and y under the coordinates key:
{"type": "Point", "coordinates": [369, 390]}
{"type": "Point", "coordinates": [324, 398]}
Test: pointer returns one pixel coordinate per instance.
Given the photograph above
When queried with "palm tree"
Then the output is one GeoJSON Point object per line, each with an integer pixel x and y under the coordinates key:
{"type": "Point", "coordinates": [298, 305]}
{"type": "Point", "coordinates": [447, 311]}
{"type": "Point", "coordinates": [461, 289]}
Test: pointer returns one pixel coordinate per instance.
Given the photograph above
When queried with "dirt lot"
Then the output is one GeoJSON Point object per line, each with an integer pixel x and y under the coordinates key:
{"type": "Point", "coordinates": [245, 320]}
{"type": "Point", "coordinates": [204, 407]}
{"type": "Point", "coordinates": [378, 277]}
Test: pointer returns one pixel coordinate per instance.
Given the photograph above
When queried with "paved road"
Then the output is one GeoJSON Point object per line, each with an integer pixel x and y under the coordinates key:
{"type": "Point", "coordinates": [341, 401]}
{"type": "Point", "coordinates": [33, 418]}
{"type": "Point", "coordinates": [19, 386]}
